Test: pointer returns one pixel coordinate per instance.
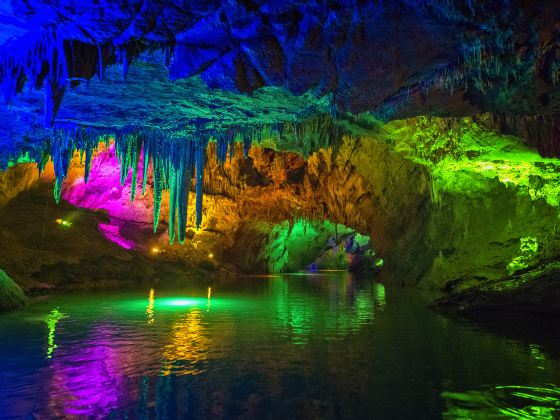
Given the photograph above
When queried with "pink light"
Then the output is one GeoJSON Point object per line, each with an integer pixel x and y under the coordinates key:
{"type": "Point", "coordinates": [104, 191]}
{"type": "Point", "coordinates": [112, 233]}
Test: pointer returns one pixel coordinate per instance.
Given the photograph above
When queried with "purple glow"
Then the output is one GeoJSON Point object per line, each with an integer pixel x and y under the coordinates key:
{"type": "Point", "coordinates": [130, 223]}
{"type": "Point", "coordinates": [95, 384]}
{"type": "Point", "coordinates": [104, 191]}
{"type": "Point", "coordinates": [112, 233]}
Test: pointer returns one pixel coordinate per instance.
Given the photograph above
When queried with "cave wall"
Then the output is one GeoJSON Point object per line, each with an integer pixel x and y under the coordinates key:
{"type": "Point", "coordinates": [368, 186]}
{"type": "Point", "coordinates": [16, 179]}
{"type": "Point", "coordinates": [441, 223]}
{"type": "Point", "coordinates": [476, 234]}
{"type": "Point", "coordinates": [245, 198]}
{"type": "Point", "coordinates": [494, 200]}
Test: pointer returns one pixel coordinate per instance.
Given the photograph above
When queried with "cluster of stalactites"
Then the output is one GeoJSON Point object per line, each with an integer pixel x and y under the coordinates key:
{"type": "Point", "coordinates": [54, 63]}
{"type": "Point", "coordinates": [175, 161]}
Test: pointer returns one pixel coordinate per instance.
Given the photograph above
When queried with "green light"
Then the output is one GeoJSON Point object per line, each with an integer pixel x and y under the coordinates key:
{"type": "Point", "coordinates": [51, 320]}
{"type": "Point", "coordinates": [20, 159]}
{"type": "Point", "coordinates": [460, 158]}
{"type": "Point", "coordinates": [537, 356]}
{"type": "Point", "coordinates": [298, 314]}
{"type": "Point", "coordinates": [380, 295]}
{"type": "Point", "coordinates": [294, 245]}
{"type": "Point", "coordinates": [510, 402]}
{"type": "Point", "coordinates": [528, 248]}
{"type": "Point", "coordinates": [177, 302]}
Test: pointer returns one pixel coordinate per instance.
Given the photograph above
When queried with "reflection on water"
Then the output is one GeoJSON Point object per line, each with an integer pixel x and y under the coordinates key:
{"type": "Point", "coordinates": [513, 402]}
{"type": "Point", "coordinates": [188, 345]}
{"type": "Point", "coordinates": [150, 307]}
{"type": "Point", "coordinates": [51, 319]}
{"type": "Point", "coordinates": [319, 346]}
{"type": "Point", "coordinates": [537, 356]}
{"type": "Point", "coordinates": [348, 306]}
{"type": "Point", "coordinates": [89, 382]}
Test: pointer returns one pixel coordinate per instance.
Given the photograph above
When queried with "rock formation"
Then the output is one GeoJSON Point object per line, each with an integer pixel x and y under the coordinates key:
{"type": "Point", "coordinates": [214, 124]}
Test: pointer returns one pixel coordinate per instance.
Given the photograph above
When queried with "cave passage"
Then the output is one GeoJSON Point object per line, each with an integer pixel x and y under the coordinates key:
{"type": "Point", "coordinates": [293, 209]}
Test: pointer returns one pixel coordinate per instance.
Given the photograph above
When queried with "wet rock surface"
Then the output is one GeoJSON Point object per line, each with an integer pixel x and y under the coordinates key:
{"type": "Point", "coordinates": [532, 291]}
{"type": "Point", "coordinates": [11, 296]}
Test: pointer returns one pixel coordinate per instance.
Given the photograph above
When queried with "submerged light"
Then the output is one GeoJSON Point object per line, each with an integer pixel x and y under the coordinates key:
{"type": "Point", "coordinates": [178, 302]}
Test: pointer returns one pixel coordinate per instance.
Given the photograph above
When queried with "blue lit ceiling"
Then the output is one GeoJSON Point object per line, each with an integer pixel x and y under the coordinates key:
{"type": "Point", "coordinates": [170, 64]}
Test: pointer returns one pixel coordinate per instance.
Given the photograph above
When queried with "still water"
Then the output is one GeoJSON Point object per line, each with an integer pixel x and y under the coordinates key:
{"type": "Point", "coordinates": [308, 346]}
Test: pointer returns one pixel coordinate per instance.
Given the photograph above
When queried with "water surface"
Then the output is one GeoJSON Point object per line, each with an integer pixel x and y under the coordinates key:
{"type": "Point", "coordinates": [313, 346]}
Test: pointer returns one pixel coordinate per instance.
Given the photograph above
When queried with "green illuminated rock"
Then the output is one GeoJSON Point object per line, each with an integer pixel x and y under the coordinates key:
{"type": "Point", "coordinates": [292, 247]}
{"type": "Point", "coordinates": [11, 296]}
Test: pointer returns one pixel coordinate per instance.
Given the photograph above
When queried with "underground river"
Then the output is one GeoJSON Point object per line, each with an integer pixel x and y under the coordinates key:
{"type": "Point", "coordinates": [323, 345]}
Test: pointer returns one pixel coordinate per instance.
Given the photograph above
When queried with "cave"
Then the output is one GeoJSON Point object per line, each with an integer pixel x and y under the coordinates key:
{"type": "Point", "coordinates": [280, 209]}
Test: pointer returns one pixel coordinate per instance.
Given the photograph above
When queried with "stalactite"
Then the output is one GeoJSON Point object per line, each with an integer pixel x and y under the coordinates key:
{"type": "Point", "coordinates": [200, 159]}
{"type": "Point", "coordinates": [158, 187]}
{"type": "Point", "coordinates": [247, 141]}
{"type": "Point", "coordinates": [87, 163]}
{"type": "Point", "coordinates": [99, 62]}
{"type": "Point", "coordinates": [172, 204]}
{"type": "Point", "coordinates": [174, 160]}
{"type": "Point", "coordinates": [61, 153]}
{"type": "Point", "coordinates": [136, 150]}
{"type": "Point", "coordinates": [184, 202]}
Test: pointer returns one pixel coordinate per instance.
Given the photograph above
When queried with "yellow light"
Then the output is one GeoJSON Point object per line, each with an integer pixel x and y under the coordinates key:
{"type": "Point", "coordinates": [189, 346]}
{"type": "Point", "coordinates": [156, 250]}
{"type": "Point", "coordinates": [210, 255]}
{"type": "Point", "coordinates": [65, 223]}
{"type": "Point", "coordinates": [150, 307]}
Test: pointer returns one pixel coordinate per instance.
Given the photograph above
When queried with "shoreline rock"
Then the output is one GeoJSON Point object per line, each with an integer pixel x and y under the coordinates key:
{"type": "Point", "coordinates": [11, 296]}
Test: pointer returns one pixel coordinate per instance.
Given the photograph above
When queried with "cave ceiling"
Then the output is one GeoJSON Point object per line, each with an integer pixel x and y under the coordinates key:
{"type": "Point", "coordinates": [173, 65]}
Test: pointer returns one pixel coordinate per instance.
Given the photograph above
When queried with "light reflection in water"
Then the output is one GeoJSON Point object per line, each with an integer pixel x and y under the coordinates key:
{"type": "Point", "coordinates": [294, 347]}
{"type": "Point", "coordinates": [188, 347]}
{"type": "Point", "coordinates": [150, 307]}
{"type": "Point", "coordinates": [51, 320]}
{"type": "Point", "coordinates": [90, 380]}
{"type": "Point", "coordinates": [537, 356]}
{"type": "Point", "coordinates": [504, 402]}
{"type": "Point", "coordinates": [300, 312]}
{"type": "Point", "coordinates": [380, 295]}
